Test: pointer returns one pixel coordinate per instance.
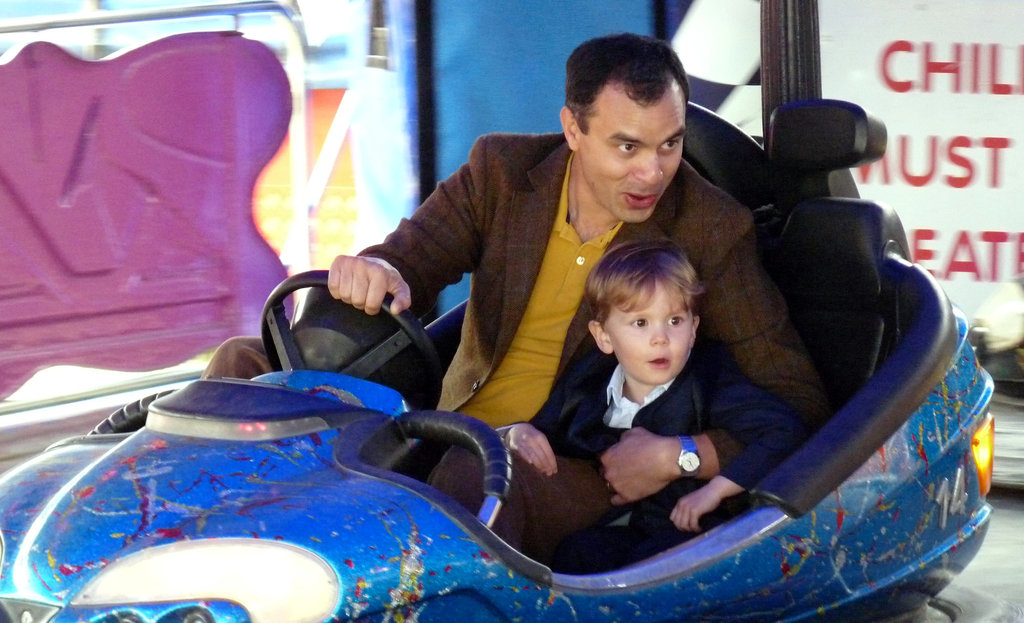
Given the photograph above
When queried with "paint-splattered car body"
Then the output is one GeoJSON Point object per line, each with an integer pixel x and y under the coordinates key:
{"type": "Point", "coordinates": [264, 464]}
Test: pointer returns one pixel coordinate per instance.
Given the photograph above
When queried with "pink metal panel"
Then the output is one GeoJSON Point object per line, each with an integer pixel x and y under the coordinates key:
{"type": "Point", "coordinates": [126, 201]}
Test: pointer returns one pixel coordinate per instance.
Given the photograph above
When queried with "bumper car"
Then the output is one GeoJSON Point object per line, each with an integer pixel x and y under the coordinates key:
{"type": "Point", "coordinates": [300, 496]}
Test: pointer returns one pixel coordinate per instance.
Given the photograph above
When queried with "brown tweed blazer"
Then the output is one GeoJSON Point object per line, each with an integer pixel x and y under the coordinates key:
{"type": "Point", "coordinates": [492, 218]}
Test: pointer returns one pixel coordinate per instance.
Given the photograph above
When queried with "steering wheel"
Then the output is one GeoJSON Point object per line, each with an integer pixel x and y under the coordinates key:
{"type": "Point", "coordinates": [330, 335]}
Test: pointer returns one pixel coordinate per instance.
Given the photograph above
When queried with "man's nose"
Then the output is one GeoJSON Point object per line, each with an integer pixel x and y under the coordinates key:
{"type": "Point", "coordinates": [649, 169]}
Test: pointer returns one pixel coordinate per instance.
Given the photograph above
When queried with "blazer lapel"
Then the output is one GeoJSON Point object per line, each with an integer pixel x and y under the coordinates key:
{"type": "Point", "coordinates": [529, 227]}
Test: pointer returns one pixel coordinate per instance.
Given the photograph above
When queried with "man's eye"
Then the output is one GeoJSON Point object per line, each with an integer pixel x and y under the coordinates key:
{"type": "Point", "coordinates": [671, 144]}
{"type": "Point", "coordinates": [627, 147]}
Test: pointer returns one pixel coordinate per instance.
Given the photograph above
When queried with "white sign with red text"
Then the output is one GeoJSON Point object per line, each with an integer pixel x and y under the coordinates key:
{"type": "Point", "coordinates": [947, 78]}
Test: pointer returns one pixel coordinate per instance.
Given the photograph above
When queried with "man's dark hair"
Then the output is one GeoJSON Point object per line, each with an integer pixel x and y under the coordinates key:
{"type": "Point", "coordinates": [645, 66]}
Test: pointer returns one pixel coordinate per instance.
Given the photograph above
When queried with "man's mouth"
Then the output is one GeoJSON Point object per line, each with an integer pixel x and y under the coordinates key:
{"type": "Point", "coordinates": [641, 201]}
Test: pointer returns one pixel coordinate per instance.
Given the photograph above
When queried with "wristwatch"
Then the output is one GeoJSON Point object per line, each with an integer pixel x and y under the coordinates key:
{"type": "Point", "coordinates": [689, 461]}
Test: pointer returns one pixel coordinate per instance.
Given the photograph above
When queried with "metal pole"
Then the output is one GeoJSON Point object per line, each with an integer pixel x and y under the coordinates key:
{"type": "Point", "coordinates": [123, 16]}
{"type": "Point", "coordinates": [790, 53]}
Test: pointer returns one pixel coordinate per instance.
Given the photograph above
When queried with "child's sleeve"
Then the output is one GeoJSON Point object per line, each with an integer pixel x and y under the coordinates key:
{"type": "Point", "coordinates": [571, 417]}
{"type": "Point", "coordinates": [770, 430]}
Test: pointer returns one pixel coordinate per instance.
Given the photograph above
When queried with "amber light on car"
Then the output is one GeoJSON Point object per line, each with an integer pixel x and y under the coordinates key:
{"type": "Point", "coordinates": [982, 445]}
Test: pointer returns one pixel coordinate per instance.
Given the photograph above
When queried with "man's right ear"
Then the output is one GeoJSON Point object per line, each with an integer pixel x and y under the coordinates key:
{"type": "Point", "coordinates": [600, 337]}
{"type": "Point", "coordinates": [570, 128]}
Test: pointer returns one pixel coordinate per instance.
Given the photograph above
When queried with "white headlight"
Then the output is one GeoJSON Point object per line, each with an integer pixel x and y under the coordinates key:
{"type": "Point", "coordinates": [274, 581]}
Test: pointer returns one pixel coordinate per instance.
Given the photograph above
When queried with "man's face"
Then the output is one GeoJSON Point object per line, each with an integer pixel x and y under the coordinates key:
{"type": "Point", "coordinates": [628, 156]}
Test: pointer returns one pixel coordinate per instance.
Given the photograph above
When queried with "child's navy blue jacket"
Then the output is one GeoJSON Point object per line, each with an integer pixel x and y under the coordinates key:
{"type": "Point", "coordinates": [710, 393]}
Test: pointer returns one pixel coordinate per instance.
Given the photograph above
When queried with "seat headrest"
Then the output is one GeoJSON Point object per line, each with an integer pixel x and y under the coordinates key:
{"type": "Point", "coordinates": [824, 135]}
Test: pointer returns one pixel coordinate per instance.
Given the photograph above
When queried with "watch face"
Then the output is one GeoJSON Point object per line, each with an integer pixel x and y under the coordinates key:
{"type": "Point", "coordinates": [689, 462]}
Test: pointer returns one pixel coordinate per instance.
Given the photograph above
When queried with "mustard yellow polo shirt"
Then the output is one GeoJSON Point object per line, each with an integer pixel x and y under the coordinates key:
{"type": "Point", "coordinates": [519, 386]}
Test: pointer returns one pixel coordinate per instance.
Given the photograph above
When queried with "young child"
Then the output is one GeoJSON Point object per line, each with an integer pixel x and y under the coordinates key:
{"type": "Point", "coordinates": [644, 298]}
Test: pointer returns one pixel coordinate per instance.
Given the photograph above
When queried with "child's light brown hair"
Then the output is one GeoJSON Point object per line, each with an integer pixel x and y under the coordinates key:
{"type": "Point", "coordinates": [628, 274]}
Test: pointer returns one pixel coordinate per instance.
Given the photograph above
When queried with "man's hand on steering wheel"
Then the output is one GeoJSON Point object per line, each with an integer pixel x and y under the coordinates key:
{"type": "Point", "coordinates": [362, 282]}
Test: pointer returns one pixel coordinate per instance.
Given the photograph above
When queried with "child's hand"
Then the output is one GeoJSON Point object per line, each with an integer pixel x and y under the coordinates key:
{"type": "Point", "coordinates": [691, 507]}
{"type": "Point", "coordinates": [532, 446]}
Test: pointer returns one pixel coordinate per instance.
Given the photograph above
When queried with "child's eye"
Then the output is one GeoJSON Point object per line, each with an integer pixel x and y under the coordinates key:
{"type": "Point", "coordinates": [675, 320]}
{"type": "Point", "coordinates": [640, 322]}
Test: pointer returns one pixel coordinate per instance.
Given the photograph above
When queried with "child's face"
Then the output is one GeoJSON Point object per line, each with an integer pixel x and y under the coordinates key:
{"type": "Point", "coordinates": [652, 341]}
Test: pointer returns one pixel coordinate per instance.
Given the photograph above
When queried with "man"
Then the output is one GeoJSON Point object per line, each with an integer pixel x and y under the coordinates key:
{"type": "Point", "coordinates": [528, 216]}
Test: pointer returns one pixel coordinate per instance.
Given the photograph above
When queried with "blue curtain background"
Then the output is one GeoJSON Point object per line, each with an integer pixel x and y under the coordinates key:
{"type": "Point", "coordinates": [499, 66]}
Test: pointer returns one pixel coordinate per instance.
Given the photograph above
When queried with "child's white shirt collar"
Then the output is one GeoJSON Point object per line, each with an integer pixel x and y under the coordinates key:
{"type": "Point", "coordinates": [622, 410]}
